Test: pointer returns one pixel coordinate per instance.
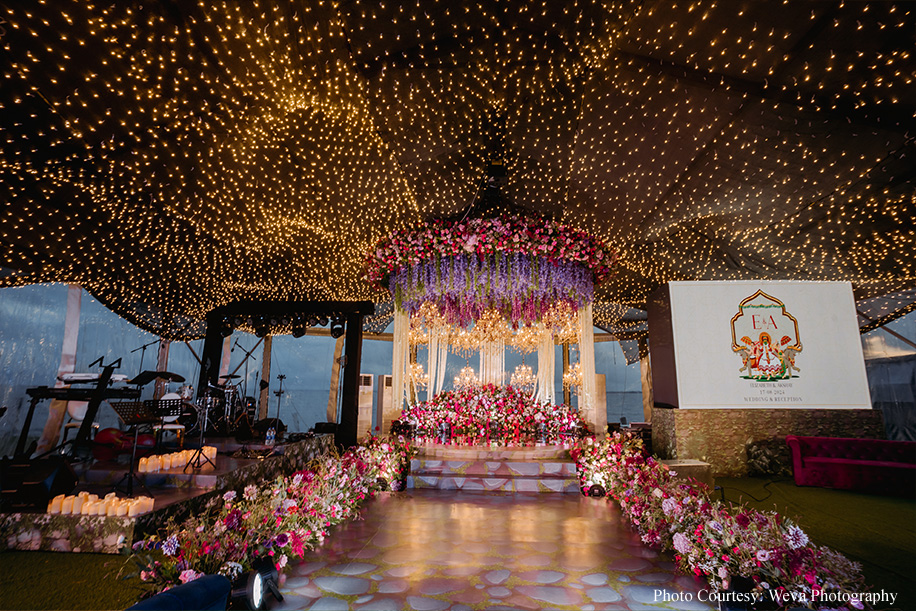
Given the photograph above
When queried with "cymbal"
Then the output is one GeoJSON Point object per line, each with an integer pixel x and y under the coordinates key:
{"type": "Point", "coordinates": [230, 376]}
{"type": "Point", "coordinates": [146, 377]}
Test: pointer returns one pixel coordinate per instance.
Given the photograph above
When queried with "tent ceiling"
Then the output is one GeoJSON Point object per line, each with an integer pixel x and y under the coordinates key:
{"type": "Point", "coordinates": [172, 157]}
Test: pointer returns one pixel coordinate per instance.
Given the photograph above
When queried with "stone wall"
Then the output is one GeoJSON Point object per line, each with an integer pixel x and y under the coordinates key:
{"type": "Point", "coordinates": [721, 436]}
{"type": "Point", "coordinates": [111, 535]}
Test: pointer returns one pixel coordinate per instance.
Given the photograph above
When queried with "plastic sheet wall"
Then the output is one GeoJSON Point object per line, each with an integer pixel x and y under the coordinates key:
{"type": "Point", "coordinates": [891, 366]}
{"type": "Point", "coordinates": [31, 332]}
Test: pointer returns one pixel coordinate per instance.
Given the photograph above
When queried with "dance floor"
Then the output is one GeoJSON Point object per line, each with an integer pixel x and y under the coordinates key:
{"type": "Point", "coordinates": [433, 550]}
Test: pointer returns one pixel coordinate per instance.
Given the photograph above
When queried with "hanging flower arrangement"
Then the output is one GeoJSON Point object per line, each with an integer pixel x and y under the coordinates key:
{"type": "Point", "coordinates": [516, 265]}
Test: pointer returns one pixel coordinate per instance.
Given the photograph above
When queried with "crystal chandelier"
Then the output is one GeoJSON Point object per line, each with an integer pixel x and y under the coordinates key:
{"type": "Point", "coordinates": [572, 379]}
{"type": "Point", "coordinates": [463, 342]}
{"type": "Point", "coordinates": [523, 378]}
{"type": "Point", "coordinates": [466, 378]}
{"type": "Point", "coordinates": [418, 377]}
{"type": "Point", "coordinates": [526, 339]}
{"type": "Point", "coordinates": [563, 321]}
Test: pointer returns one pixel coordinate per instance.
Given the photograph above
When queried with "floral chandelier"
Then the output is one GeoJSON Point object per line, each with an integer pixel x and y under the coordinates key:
{"type": "Point", "coordinates": [517, 266]}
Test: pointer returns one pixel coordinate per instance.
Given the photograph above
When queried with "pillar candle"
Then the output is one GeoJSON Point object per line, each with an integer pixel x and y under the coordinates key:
{"type": "Point", "coordinates": [66, 506]}
{"type": "Point", "coordinates": [76, 505]}
{"type": "Point", "coordinates": [142, 467]}
{"type": "Point", "coordinates": [55, 504]}
{"type": "Point", "coordinates": [133, 508]}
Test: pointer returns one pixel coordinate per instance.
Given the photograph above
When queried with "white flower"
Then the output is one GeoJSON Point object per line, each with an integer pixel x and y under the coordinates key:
{"type": "Point", "coordinates": [670, 506]}
{"type": "Point", "coordinates": [763, 555]}
{"type": "Point", "coordinates": [681, 542]}
{"type": "Point", "coordinates": [251, 491]}
{"type": "Point", "coordinates": [229, 496]}
{"type": "Point", "coordinates": [796, 537]}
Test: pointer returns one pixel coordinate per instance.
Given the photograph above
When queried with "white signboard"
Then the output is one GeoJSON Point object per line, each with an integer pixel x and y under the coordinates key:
{"type": "Point", "coordinates": [767, 344]}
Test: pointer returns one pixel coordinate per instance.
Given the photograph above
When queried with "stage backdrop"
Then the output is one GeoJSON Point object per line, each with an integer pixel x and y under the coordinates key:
{"type": "Point", "coordinates": [757, 344]}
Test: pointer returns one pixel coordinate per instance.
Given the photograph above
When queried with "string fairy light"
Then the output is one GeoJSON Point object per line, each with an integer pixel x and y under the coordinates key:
{"type": "Point", "coordinates": [176, 158]}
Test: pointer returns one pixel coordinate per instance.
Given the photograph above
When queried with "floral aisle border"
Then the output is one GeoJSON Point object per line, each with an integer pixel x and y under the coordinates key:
{"type": "Point", "coordinates": [490, 414]}
{"type": "Point", "coordinates": [279, 519]}
{"type": "Point", "coordinates": [763, 554]}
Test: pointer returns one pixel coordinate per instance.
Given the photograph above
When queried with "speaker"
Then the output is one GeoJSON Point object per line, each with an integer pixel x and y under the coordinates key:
{"type": "Point", "coordinates": [32, 483]}
{"type": "Point", "coordinates": [324, 428]}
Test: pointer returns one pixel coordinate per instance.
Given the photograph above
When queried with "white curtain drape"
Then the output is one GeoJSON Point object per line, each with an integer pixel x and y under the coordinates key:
{"type": "Point", "coordinates": [587, 392]}
{"type": "Point", "coordinates": [492, 362]}
{"type": "Point", "coordinates": [438, 353]}
{"type": "Point", "coordinates": [401, 353]}
{"type": "Point", "coordinates": [546, 364]}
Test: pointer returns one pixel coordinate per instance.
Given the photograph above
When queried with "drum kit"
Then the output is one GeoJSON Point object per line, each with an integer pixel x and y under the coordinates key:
{"type": "Point", "coordinates": [219, 410]}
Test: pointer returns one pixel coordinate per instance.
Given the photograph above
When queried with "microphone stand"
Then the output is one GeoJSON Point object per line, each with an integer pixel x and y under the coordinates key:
{"type": "Point", "coordinates": [279, 394]}
{"type": "Point", "coordinates": [244, 362]}
{"type": "Point", "coordinates": [143, 354]}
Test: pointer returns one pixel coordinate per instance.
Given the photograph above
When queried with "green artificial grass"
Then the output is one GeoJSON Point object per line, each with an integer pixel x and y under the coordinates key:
{"type": "Point", "coordinates": [59, 580]}
{"type": "Point", "coordinates": [878, 531]}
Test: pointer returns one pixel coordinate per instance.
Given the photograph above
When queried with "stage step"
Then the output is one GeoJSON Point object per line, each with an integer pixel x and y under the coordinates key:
{"type": "Point", "coordinates": [502, 469]}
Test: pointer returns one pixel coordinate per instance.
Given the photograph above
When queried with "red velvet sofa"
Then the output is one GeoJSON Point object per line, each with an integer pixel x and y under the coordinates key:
{"type": "Point", "coordinates": [867, 465]}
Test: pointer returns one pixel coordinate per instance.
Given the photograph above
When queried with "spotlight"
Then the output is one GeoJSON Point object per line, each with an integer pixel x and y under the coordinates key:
{"type": "Point", "coordinates": [226, 329]}
{"type": "Point", "coordinates": [251, 588]}
{"type": "Point", "coordinates": [313, 321]}
{"type": "Point", "coordinates": [337, 328]}
{"type": "Point", "coordinates": [261, 331]}
{"type": "Point", "coordinates": [298, 331]}
{"type": "Point", "coordinates": [323, 321]}
{"type": "Point", "coordinates": [254, 586]}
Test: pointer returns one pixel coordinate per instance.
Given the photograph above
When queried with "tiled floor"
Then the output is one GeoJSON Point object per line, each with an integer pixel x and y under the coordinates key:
{"type": "Point", "coordinates": [435, 550]}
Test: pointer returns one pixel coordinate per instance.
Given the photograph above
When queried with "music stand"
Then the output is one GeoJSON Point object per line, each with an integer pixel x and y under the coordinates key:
{"type": "Point", "coordinates": [133, 413]}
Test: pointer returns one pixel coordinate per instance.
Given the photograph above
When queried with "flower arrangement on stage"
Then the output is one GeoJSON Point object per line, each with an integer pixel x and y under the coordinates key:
{"type": "Point", "coordinates": [391, 458]}
{"type": "Point", "coordinates": [733, 547]}
{"type": "Point", "coordinates": [494, 414]}
{"type": "Point", "coordinates": [279, 520]}
{"type": "Point", "coordinates": [516, 265]}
